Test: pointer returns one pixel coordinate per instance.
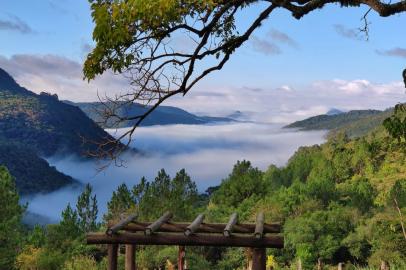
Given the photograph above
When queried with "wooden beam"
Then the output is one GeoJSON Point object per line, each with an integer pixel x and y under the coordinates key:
{"type": "Point", "coordinates": [259, 225]}
{"type": "Point", "coordinates": [258, 259]}
{"type": "Point", "coordinates": [203, 228]}
{"type": "Point", "coordinates": [130, 257]}
{"type": "Point", "coordinates": [270, 241]}
{"type": "Point", "coordinates": [120, 225]}
{"type": "Point", "coordinates": [230, 225]}
{"type": "Point", "coordinates": [112, 250]}
{"type": "Point", "coordinates": [158, 223]}
{"type": "Point", "coordinates": [192, 228]}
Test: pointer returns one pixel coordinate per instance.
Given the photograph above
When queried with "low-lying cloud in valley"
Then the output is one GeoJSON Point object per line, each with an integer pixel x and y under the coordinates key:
{"type": "Point", "coordinates": [207, 152]}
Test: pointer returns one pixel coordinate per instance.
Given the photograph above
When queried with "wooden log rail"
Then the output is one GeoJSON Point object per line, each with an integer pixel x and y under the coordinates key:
{"type": "Point", "coordinates": [270, 241]}
{"type": "Point", "coordinates": [230, 225]}
{"type": "Point", "coordinates": [117, 227]}
{"type": "Point", "coordinates": [203, 228]}
{"type": "Point", "coordinates": [192, 228]}
{"type": "Point", "coordinates": [157, 224]}
{"type": "Point", "coordinates": [259, 226]}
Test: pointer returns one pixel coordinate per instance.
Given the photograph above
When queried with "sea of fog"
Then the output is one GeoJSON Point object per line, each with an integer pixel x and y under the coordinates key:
{"type": "Point", "coordinates": [207, 152]}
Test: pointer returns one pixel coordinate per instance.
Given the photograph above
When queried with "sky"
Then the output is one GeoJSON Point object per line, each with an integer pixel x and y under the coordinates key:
{"type": "Point", "coordinates": [289, 69]}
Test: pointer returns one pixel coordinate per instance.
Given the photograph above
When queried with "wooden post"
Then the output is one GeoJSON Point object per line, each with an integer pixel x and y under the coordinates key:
{"type": "Point", "coordinates": [385, 265]}
{"type": "Point", "coordinates": [181, 258]}
{"type": "Point", "coordinates": [319, 264]}
{"type": "Point", "coordinates": [248, 255]}
{"type": "Point", "coordinates": [299, 264]}
{"type": "Point", "coordinates": [130, 257]}
{"type": "Point", "coordinates": [258, 259]}
{"type": "Point", "coordinates": [112, 250]}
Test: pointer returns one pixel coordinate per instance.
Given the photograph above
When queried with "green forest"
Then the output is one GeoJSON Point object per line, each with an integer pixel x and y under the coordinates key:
{"type": "Point", "coordinates": [342, 201]}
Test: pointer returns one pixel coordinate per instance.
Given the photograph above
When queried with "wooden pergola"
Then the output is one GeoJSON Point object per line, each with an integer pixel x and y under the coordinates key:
{"type": "Point", "coordinates": [130, 232]}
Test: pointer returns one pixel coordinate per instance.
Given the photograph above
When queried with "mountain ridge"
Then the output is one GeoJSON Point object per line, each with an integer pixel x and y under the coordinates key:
{"type": "Point", "coordinates": [162, 115]}
{"type": "Point", "coordinates": [354, 123]}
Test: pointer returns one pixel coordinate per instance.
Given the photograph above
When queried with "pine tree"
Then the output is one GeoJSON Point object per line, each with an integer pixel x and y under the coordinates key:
{"type": "Point", "coordinates": [179, 195]}
{"type": "Point", "coordinates": [184, 196]}
{"type": "Point", "coordinates": [70, 222]}
{"type": "Point", "coordinates": [10, 219]}
{"type": "Point", "coordinates": [121, 201]}
{"type": "Point", "coordinates": [87, 210]}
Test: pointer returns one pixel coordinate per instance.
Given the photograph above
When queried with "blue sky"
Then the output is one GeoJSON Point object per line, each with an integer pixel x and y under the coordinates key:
{"type": "Point", "coordinates": [324, 46]}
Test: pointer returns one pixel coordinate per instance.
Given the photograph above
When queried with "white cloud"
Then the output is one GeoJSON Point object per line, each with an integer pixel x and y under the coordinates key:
{"type": "Point", "coordinates": [281, 37]}
{"type": "Point", "coordinates": [60, 75]}
{"type": "Point", "coordinates": [349, 33]}
{"type": "Point", "coordinates": [396, 52]}
{"type": "Point", "coordinates": [264, 46]}
{"type": "Point", "coordinates": [15, 24]}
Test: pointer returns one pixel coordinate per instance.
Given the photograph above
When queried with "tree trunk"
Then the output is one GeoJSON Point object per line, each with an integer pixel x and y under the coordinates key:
{"type": "Point", "coordinates": [400, 217]}
{"type": "Point", "coordinates": [340, 266]}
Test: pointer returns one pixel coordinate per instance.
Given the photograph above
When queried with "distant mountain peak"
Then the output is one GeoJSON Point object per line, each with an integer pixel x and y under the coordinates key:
{"type": "Point", "coordinates": [7, 82]}
{"type": "Point", "coordinates": [236, 115]}
{"type": "Point", "coordinates": [334, 111]}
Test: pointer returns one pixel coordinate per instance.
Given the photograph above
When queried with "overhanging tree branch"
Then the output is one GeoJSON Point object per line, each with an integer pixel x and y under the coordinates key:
{"type": "Point", "coordinates": [136, 38]}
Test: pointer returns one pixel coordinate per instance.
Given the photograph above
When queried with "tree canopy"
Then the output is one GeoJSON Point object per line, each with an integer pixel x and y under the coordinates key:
{"type": "Point", "coordinates": [136, 38]}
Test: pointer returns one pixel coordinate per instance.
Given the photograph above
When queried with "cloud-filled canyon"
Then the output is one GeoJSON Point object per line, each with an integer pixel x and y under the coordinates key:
{"type": "Point", "coordinates": [207, 152]}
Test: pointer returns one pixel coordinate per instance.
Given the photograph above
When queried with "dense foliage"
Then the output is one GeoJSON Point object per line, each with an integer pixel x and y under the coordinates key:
{"type": "Point", "coordinates": [10, 220]}
{"type": "Point", "coordinates": [32, 173]}
{"type": "Point", "coordinates": [396, 123]}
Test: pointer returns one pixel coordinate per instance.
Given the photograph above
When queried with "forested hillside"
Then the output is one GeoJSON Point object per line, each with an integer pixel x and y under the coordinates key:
{"type": "Point", "coordinates": [32, 173]}
{"type": "Point", "coordinates": [343, 201]}
{"type": "Point", "coordinates": [354, 123]}
{"type": "Point", "coordinates": [44, 123]}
